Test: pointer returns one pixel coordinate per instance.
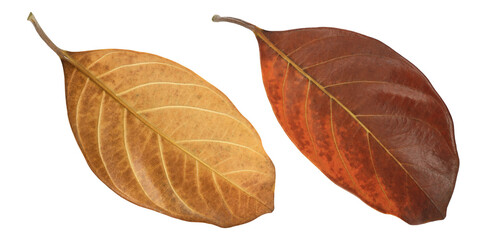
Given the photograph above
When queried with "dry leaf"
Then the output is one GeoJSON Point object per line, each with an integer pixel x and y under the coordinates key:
{"type": "Point", "coordinates": [163, 138]}
{"type": "Point", "coordinates": [364, 115]}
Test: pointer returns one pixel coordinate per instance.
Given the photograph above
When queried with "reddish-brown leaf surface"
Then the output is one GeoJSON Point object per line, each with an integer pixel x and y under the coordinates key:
{"type": "Point", "coordinates": [364, 115]}
{"type": "Point", "coordinates": [161, 137]}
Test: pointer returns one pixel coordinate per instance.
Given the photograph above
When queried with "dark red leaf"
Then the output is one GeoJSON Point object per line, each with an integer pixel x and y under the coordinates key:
{"type": "Point", "coordinates": [364, 115]}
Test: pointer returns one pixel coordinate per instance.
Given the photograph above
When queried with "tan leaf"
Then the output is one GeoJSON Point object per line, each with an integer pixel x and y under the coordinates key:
{"type": "Point", "coordinates": [161, 137]}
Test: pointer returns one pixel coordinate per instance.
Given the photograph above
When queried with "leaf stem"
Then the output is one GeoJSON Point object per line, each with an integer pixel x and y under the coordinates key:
{"type": "Point", "coordinates": [61, 53]}
{"type": "Point", "coordinates": [217, 18]}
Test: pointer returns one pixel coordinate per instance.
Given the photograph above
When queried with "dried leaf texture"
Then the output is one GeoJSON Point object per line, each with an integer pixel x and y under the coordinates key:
{"type": "Point", "coordinates": [365, 116]}
{"type": "Point", "coordinates": [196, 159]}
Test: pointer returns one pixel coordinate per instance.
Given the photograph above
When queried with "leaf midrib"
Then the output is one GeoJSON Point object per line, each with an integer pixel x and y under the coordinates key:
{"type": "Point", "coordinates": [259, 33]}
{"type": "Point", "coordinates": [112, 94]}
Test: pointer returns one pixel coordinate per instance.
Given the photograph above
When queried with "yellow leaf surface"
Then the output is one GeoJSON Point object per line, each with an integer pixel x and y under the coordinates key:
{"type": "Point", "coordinates": [163, 138]}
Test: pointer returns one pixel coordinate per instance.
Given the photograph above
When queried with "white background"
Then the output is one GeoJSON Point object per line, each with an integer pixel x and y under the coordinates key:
{"type": "Point", "coordinates": [47, 190]}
